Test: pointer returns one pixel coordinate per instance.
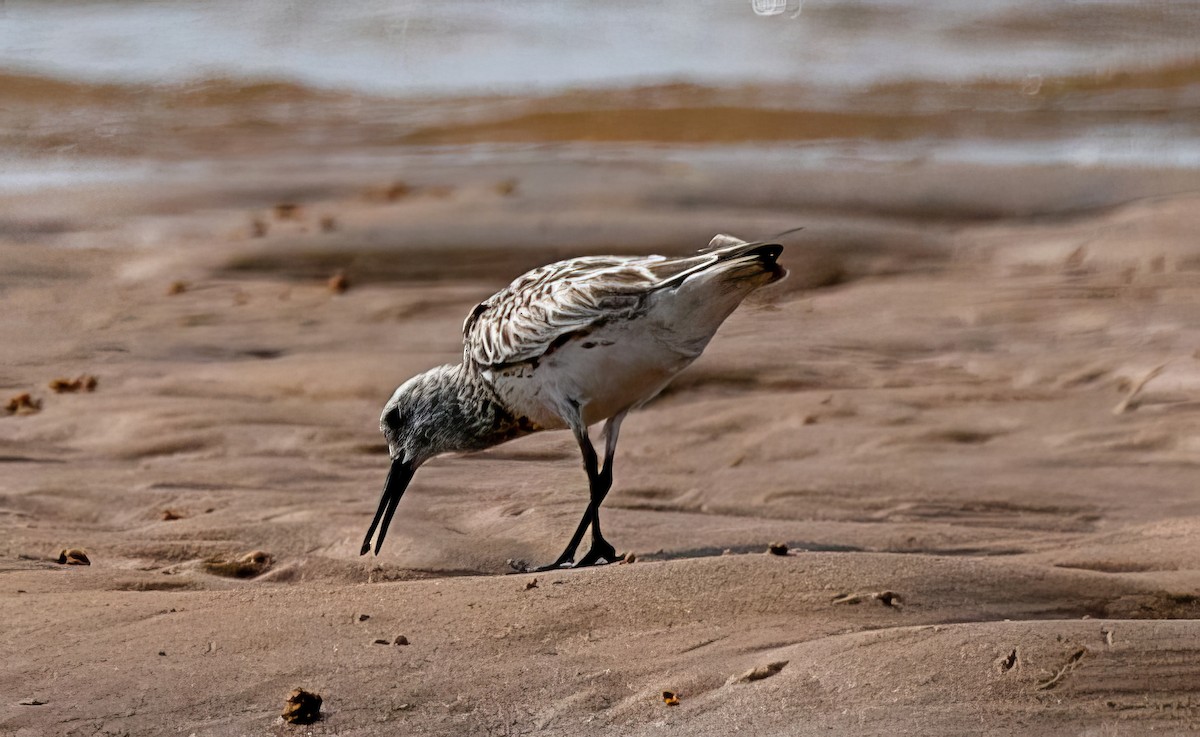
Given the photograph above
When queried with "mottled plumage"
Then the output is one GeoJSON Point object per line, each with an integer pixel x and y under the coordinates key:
{"type": "Point", "coordinates": [522, 321]}
{"type": "Point", "coordinates": [565, 346]}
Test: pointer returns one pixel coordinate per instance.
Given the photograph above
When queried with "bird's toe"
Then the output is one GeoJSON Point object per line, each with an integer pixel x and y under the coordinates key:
{"type": "Point", "coordinates": [599, 555]}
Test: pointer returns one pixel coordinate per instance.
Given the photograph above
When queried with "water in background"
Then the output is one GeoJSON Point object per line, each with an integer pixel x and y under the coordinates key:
{"type": "Point", "coordinates": [1003, 82]}
{"type": "Point", "coordinates": [474, 46]}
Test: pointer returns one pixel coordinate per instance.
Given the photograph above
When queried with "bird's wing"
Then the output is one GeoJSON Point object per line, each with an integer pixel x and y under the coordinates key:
{"type": "Point", "coordinates": [523, 321]}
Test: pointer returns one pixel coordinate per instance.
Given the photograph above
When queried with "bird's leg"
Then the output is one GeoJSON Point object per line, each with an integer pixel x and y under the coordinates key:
{"type": "Point", "coordinates": [599, 482]}
{"type": "Point", "coordinates": [590, 461]}
{"type": "Point", "coordinates": [601, 549]}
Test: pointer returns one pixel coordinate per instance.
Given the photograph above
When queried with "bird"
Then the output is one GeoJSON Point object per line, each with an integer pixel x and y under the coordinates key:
{"type": "Point", "coordinates": [564, 347]}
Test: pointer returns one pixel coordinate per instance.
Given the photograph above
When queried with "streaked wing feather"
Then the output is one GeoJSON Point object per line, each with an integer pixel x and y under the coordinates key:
{"type": "Point", "coordinates": [722, 240]}
{"type": "Point", "coordinates": [522, 321]}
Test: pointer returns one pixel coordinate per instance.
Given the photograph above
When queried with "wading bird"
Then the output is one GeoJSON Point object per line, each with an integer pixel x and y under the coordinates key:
{"type": "Point", "coordinates": [563, 347]}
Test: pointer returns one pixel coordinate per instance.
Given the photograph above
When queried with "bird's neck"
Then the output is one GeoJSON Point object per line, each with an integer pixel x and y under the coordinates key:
{"type": "Point", "coordinates": [469, 415]}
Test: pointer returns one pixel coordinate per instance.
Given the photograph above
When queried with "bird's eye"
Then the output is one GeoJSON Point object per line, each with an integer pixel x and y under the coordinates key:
{"type": "Point", "coordinates": [392, 419]}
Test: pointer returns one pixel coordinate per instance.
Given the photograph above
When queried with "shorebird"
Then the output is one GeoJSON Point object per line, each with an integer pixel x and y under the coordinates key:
{"type": "Point", "coordinates": [566, 346]}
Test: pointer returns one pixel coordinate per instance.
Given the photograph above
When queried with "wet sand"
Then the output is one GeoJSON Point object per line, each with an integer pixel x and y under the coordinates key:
{"type": "Point", "coordinates": [939, 403]}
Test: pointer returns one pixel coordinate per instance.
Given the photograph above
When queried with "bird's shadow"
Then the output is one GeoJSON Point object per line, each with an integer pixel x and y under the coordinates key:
{"type": "Point", "coordinates": [714, 551]}
{"type": "Point", "coordinates": [711, 551]}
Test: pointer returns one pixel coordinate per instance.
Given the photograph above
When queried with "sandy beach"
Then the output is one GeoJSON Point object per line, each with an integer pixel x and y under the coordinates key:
{"type": "Point", "coordinates": [971, 413]}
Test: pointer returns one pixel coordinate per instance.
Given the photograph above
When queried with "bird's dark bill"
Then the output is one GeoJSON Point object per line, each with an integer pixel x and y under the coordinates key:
{"type": "Point", "coordinates": [397, 481]}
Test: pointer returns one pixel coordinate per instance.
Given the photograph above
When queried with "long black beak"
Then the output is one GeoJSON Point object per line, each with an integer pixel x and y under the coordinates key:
{"type": "Point", "coordinates": [393, 489]}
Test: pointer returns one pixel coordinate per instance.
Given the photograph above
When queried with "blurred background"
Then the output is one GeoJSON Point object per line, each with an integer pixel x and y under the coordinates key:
{"type": "Point", "coordinates": [938, 108]}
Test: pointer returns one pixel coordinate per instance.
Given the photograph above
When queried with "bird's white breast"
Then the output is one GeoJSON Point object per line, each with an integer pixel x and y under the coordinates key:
{"type": "Point", "coordinates": [609, 370]}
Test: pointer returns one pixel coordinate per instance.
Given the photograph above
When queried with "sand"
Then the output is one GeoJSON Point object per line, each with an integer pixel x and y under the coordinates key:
{"type": "Point", "coordinates": [938, 404]}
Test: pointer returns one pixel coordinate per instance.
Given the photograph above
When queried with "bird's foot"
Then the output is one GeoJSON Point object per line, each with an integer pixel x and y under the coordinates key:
{"type": "Point", "coordinates": [520, 566]}
{"type": "Point", "coordinates": [555, 566]}
{"type": "Point", "coordinates": [602, 553]}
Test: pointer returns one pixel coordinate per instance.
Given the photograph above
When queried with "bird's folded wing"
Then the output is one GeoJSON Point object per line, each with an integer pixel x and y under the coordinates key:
{"type": "Point", "coordinates": [524, 320]}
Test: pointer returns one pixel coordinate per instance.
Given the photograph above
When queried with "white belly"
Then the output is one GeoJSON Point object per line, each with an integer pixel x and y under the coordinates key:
{"type": "Point", "coordinates": [608, 371]}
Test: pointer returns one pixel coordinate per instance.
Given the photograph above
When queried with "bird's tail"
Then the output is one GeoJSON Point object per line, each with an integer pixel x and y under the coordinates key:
{"type": "Point", "coordinates": [738, 260]}
{"type": "Point", "coordinates": [722, 276]}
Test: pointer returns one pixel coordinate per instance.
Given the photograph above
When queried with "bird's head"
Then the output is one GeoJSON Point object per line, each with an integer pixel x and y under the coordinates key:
{"type": "Point", "coordinates": [418, 423]}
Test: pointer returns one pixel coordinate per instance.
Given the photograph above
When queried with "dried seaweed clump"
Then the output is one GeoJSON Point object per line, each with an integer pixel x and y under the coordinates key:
{"type": "Point", "coordinates": [302, 707]}
{"type": "Point", "coordinates": [86, 383]}
{"type": "Point", "coordinates": [23, 404]}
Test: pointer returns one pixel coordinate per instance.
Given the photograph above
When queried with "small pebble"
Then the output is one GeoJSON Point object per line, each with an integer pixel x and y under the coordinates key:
{"type": "Point", "coordinates": [287, 211]}
{"type": "Point", "coordinates": [338, 283]}
{"type": "Point", "coordinates": [890, 598]}
{"type": "Point", "coordinates": [246, 566]}
{"type": "Point", "coordinates": [397, 191]}
{"type": "Point", "coordinates": [73, 557]}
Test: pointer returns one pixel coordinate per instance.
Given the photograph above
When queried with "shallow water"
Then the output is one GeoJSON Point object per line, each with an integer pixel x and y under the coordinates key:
{"type": "Point", "coordinates": [1122, 149]}
{"type": "Point", "coordinates": [142, 90]}
{"type": "Point", "coordinates": [471, 46]}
